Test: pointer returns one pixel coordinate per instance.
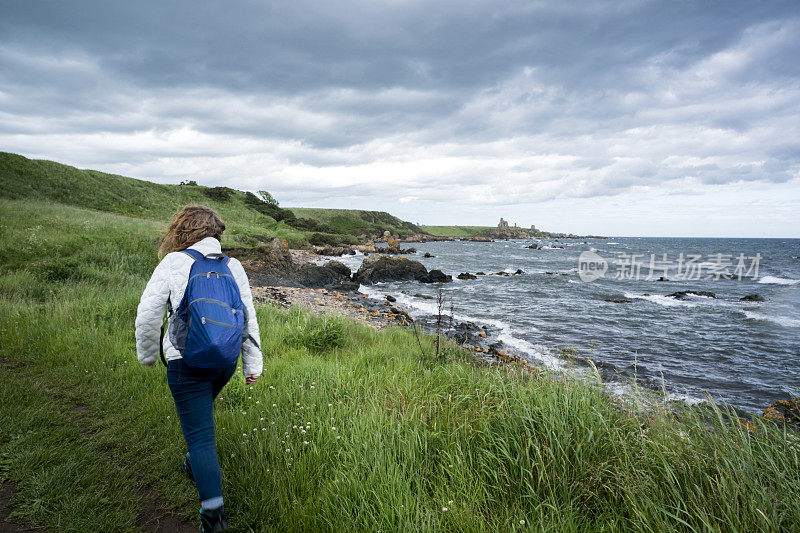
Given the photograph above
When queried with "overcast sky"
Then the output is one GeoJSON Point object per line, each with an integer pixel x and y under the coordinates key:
{"type": "Point", "coordinates": [623, 117]}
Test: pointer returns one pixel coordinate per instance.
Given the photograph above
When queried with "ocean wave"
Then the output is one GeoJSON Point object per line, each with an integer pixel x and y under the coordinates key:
{"type": "Point", "coordinates": [612, 243]}
{"type": "Point", "coordinates": [666, 301]}
{"type": "Point", "coordinates": [779, 281]}
{"type": "Point", "coordinates": [784, 321]}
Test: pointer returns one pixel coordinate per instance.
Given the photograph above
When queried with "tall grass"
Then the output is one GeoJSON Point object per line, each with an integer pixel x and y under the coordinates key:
{"type": "Point", "coordinates": [348, 429]}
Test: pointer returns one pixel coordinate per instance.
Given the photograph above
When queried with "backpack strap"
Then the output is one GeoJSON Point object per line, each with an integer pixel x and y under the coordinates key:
{"type": "Point", "coordinates": [194, 254]}
{"type": "Point", "coordinates": [163, 330]}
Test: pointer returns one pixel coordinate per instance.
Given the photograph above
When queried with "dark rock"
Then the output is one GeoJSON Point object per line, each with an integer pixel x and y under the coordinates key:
{"type": "Point", "coordinates": [662, 278]}
{"type": "Point", "coordinates": [277, 254]}
{"type": "Point", "coordinates": [336, 251]}
{"type": "Point", "coordinates": [423, 296]}
{"type": "Point", "coordinates": [683, 295]}
{"type": "Point", "coordinates": [428, 255]}
{"type": "Point", "coordinates": [785, 411]}
{"type": "Point", "coordinates": [480, 273]}
{"type": "Point", "coordinates": [466, 275]}
{"type": "Point", "coordinates": [378, 268]}
{"type": "Point", "coordinates": [391, 298]}
{"type": "Point", "coordinates": [501, 273]}
{"type": "Point", "coordinates": [617, 300]}
{"type": "Point", "coordinates": [436, 276]}
{"type": "Point", "coordinates": [339, 268]}
{"type": "Point", "coordinates": [345, 286]}
{"type": "Point", "coordinates": [533, 246]}
{"type": "Point", "coordinates": [752, 298]}
{"type": "Point", "coordinates": [519, 271]}
{"type": "Point", "coordinates": [316, 276]}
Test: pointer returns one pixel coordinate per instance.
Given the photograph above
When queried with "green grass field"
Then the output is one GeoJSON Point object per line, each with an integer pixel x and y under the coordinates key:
{"type": "Point", "coordinates": [461, 232]}
{"type": "Point", "coordinates": [394, 440]}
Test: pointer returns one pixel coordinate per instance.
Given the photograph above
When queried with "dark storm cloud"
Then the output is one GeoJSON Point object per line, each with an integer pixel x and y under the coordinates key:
{"type": "Point", "coordinates": [501, 102]}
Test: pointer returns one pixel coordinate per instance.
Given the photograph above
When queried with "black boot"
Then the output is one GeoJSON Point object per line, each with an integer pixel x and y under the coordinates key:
{"type": "Point", "coordinates": [213, 520]}
{"type": "Point", "coordinates": [187, 468]}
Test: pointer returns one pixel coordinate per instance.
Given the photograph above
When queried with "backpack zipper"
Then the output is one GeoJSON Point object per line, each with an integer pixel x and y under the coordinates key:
{"type": "Point", "coordinates": [213, 301]}
{"type": "Point", "coordinates": [208, 320]}
{"type": "Point", "coordinates": [208, 275]}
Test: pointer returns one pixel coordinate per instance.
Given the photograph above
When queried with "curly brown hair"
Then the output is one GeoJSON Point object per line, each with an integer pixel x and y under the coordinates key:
{"type": "Point", "coordinates": [191, 224]}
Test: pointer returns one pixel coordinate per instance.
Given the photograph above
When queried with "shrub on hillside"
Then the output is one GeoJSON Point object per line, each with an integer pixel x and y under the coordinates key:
{"type": "Point", "coordinates": [309, 224]}
{"type": "Point", "coordinates": [323, 239]}
{"type": "Point", "coordinates": [268, 209]}
{"type": "Point", "coordinates": [219, 193]}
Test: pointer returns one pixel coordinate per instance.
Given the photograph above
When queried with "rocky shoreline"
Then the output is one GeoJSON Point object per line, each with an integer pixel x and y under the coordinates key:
{"type": "Point", "coordinates": [287, 277]}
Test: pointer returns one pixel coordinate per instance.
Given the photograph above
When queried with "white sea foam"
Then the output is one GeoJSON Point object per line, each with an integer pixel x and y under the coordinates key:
{"type": "Point", "coordinates": [612, 243]}
{"type": "Point", "coordinates": [419, 306]}
{"type": "Point", "coordinates": [666, 301]}
{"type": "Point", "coordinates": [779, 281]}
{"type": "Point", "coordinates": [784, 321]}
{"type": "Point", "coordinates": [685, 398]}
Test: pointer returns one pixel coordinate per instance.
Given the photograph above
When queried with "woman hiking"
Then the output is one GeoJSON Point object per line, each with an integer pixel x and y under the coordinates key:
{"type": "Point", "coordinates": [211, 319]}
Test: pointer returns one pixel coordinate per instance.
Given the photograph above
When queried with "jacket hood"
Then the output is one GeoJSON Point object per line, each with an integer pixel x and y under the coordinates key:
{"type": "Point", "coordinates": [209, 245]}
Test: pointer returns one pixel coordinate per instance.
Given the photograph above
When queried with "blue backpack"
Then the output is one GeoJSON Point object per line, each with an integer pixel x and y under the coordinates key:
{"type": "Point", "coordinates": [208, 325]}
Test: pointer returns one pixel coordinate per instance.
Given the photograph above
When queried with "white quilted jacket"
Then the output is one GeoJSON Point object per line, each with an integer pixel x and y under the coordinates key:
{"type": "Point", "coordinates": [169, 281]}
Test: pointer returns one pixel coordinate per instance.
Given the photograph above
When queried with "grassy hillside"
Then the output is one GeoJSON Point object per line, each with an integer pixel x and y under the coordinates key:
{"type": "Point", "coordinates": [247, 220]}
{"type": "Point", "coordinates": [395, 440]}
{"type": "Point", "coordinates": [461, 232]}
{"type": "Point", "coordinates": [357, 221]}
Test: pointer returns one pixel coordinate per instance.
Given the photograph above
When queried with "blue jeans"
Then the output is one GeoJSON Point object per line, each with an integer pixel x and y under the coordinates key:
{"type": "Point", "coordinates": [194, 392]}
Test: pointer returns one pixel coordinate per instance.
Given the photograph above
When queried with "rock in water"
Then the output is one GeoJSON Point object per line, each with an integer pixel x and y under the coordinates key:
{"type": "Point", "coordinates": [752, 298]}
{"type": "Point", "coordinates": [682, 295]}
{"type": "Point", "coordinates": [378, 268]}
{"type": "Point", "coordinates": [436, 276]}
{"type": "Point", "coordinates": [339, 267]}
{"type": "Point", "coordinates": [466, 275]}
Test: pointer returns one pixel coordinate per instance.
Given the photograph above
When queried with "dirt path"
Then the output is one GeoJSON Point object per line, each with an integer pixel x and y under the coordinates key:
{"type": "Point", "coordinates": [6, 491]}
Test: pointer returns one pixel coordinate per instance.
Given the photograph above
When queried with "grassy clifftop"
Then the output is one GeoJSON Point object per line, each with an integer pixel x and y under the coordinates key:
{"type": "Point", "coordinates": [247, 218]}
{"type": "Point", "coordinates": [358, 221]}
{"type": "Point", "coordinates": [460, 232]}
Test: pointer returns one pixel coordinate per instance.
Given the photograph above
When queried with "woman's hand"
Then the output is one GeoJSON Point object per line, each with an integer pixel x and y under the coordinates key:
{"type": "Point", "coordinates": [249, 380]}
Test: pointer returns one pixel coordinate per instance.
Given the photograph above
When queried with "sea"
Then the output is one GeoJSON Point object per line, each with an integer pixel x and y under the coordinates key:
{"type": "Point", "coordinates": [608, 300]}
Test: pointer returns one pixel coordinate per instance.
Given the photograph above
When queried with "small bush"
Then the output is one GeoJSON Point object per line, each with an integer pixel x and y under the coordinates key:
{"type": "Point", "coordinates": [322, 335]}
